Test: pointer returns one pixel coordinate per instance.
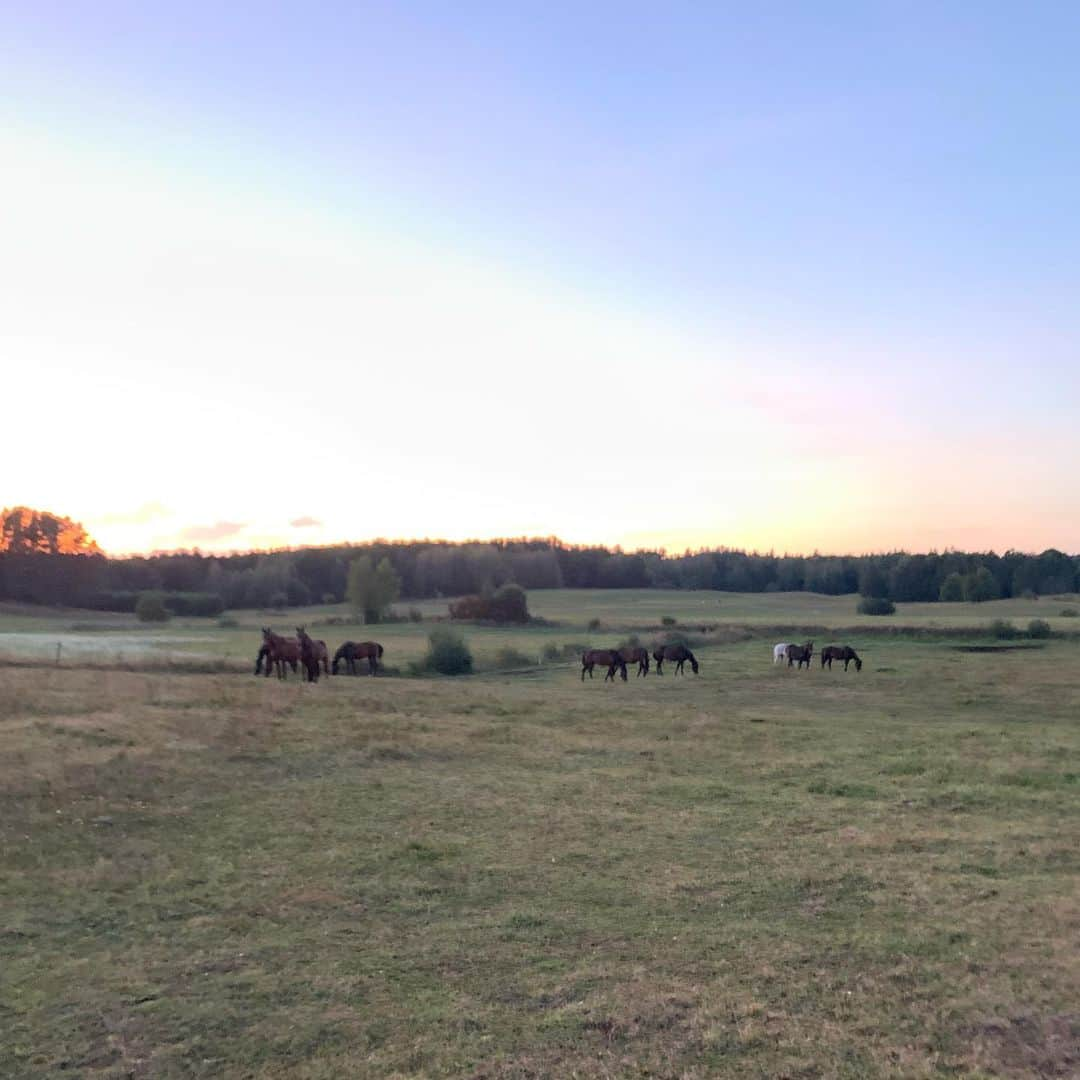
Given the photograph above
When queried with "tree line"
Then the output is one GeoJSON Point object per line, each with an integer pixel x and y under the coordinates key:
{"type": "Point", "coordinates": [197, 583]}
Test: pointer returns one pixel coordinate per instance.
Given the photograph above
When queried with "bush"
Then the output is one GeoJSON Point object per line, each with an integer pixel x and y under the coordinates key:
{"type": "Point", "coordinates": [980, 586]}
{"type": "Point", "coordinates": [415, 615]}
{"type": "Point", "coordinates": [150, 607]}
{"type": "Point", "coordinates": [668, 620]}
{"type": "Point", "coordinates": [1003, 630]}
{"type": "Point", "coordinates": [227, 622]}
{"type": "Point", "coordinates": [875, 605]}
{"type": "Point", "coordinates": [551, 652]}
{"type": "Point", "coordinates": [506, 605]}
{"type": "Point", "coordinates": [594, 625]}
{"type": "Point", "coordinates": [1069, 613]}
{"type": "Point", "coordinates": [1038, 628]}
{"type": "Point", "coordinates": [448, 654]}
{"type": "Point", "coordinates": [952, 588]}
{"type": "Point", "coordinates": [470, 608]}
{"type": "Point", "coordinates": [279, 601]}
{"type": "Point", "coordinates": [509, 657]}
{"type": "Point", "coordinates": [510, 605]}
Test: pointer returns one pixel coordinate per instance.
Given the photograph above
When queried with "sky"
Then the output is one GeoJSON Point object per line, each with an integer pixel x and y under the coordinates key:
{"type": "Point", "coordinates": [780, 276]}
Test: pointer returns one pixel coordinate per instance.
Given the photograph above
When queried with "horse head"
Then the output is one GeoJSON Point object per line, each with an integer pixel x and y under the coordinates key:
{"type": "Point", "coordinates": [694, 663]}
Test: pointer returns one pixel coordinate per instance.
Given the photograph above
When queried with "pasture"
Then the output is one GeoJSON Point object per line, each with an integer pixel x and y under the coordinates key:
{"type": "Point", "coordinates": [754, 872]}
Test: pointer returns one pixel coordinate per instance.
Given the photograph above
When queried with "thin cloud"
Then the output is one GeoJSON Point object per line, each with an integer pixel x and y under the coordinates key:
{"type": "Point", "coordinates": [144, 514]}
{"type": "Point", "coordinates": [218, 531]}
{"type": "Point", "coordinates": [305, 523]}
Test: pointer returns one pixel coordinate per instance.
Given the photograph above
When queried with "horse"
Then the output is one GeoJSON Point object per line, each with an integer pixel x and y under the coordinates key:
{"type": "Point", "coordinates": [310, 654]}
{"type": "Point", "coordinates": [635, 654]}
{"type": "Point", "coordinates": [609, 658]}
{"type": "Point", "coordinates": [678, 653]}
{"type": "Point", "coordinates": [779, 653]}
{"type": "Point", "coordinates": [801, 654]}
{"type": "Point", "coordinates": [352, 651]}
{"type": "Point", "coordinates": [840, 652]}
{"type": "Point", "coordinates": [277, 652]}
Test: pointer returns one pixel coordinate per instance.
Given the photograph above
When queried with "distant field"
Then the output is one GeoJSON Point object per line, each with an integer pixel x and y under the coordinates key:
{"type": "Point", "coordinates": [755, 872]}
{"type": "Point", "coordinates": [29, 633]}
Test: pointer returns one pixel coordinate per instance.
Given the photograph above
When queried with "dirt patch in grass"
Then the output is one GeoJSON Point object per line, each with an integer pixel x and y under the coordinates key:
{"type": "Point", "coordinates": [1026, 1044]}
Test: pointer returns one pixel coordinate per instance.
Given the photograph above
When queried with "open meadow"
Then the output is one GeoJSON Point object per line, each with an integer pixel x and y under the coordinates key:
{"type": "Point", "coordinates": [753, 872]}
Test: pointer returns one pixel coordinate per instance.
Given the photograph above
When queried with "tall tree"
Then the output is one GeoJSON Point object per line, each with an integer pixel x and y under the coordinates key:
{"type": "Point", "coordinates": [37, 532]}
{"type": "Point", "coordinates": [372, 589]}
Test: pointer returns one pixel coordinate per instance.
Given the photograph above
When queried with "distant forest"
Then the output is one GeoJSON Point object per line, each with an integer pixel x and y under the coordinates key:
{"type": "Point", "coordinates": [35, 569]}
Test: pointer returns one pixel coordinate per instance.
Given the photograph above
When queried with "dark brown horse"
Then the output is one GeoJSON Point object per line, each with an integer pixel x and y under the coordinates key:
{"type": "Point", "coordinates": [311, 654]}
{"type": "Point", "coordinates": [840, 652]}
{"type": "Point", "coordinates": [351, 651]}
{"type": "Point", "coordinates": [679, 654]}
{"type": "Point", "coordinates": [277, 651]}
{"type": "Point", "coordinates": [635, 654]}
{"type": "Point", "coordinates": [609, 658]}
{"type": "Point", "coordinates": [800, 654]}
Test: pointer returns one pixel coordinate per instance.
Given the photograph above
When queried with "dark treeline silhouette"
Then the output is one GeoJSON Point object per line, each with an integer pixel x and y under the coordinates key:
{"type": "Point", "coordinates": [194, 583]}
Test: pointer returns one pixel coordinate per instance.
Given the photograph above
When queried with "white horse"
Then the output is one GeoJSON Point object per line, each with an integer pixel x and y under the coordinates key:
{"type": "Point", "coordinates": [779, 653]}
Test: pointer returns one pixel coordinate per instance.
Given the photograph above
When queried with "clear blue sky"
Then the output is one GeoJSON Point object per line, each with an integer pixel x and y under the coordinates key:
{"type": "Point", "coordinates": [841, 241]}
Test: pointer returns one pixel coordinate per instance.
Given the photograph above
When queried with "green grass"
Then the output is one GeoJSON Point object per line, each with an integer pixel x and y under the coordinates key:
{"type": "Point", "coordinates": [28, 633]}
{"type": "Point", "coordinates": [755, 872]}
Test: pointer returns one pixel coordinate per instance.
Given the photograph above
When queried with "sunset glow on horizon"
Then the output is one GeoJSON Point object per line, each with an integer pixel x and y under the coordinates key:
{"type": "Point", "coordinates": [671, 283]}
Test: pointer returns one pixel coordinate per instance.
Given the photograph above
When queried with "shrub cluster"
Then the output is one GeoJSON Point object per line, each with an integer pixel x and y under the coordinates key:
{"type": "Point", "coordinates": [448, 653]}
{"type": "Point", "coordinates": [875, 605]}
{"type": "Point", "coordinates": [150, 607]}
{"type": "Point", "coordinates": [507, 604]}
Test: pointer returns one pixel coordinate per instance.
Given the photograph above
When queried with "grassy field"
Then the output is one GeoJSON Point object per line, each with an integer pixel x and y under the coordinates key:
{"type": "Point", "coordinates": [755, 872]}
{"type": "Point", "coordinates": [119, 640]}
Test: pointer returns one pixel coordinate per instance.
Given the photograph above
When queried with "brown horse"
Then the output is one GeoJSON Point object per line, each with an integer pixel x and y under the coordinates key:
{"type": "Point", "coordinates": [635, 654]}
{"type": "Point", "coordinates": [609, 658]}
{"type": "Point", "coordinates": [352, 651]}
{"type": "Point", "coordinates": [840, 652]}
{"type": "Point", "coordinates": [800, 654]}
{"type": "Point", "coordinates": [310, 654]}
{"type": "Point", "coordinates": [677, 653]}
{"type": "Point", "coordinates": [277, 651]}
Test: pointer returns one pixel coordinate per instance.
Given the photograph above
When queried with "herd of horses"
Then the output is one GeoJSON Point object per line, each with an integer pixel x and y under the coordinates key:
{"type": "Point", "coordinates": [615, 660]}
{"type": "Point", "coordinates": [800, 654]}
{"type": "Point", "coordinates": [278, 653]}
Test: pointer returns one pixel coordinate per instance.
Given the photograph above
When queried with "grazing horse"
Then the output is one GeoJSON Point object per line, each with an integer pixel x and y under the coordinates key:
{"type": "Point", "coordinates": [678, 653]}
{"type": "Point", "coordinates": [779, 653]}
{"type": "Point", "coordinates": [310, 654]}
{"type": "Point", "coordinates": [609, 658]}
{"type": "Point", "coordinates": [277, 652]}
{"type": "Point", "coordinates": [635, 654]}
{"type": "Point", "coordinates": [352, 651]}
{"type": "Point", "coordinates": [800, 654]}
{"type": "Point", "coordinates": [840, 652]}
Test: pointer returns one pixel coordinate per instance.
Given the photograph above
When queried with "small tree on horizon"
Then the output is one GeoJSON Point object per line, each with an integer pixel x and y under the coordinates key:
{"type": "Point", "coordinates": [372, 589]}
{"type": "Point", "coordinates": [952, 588]}
{"type": "Point", "coordinates": [980, 586]}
